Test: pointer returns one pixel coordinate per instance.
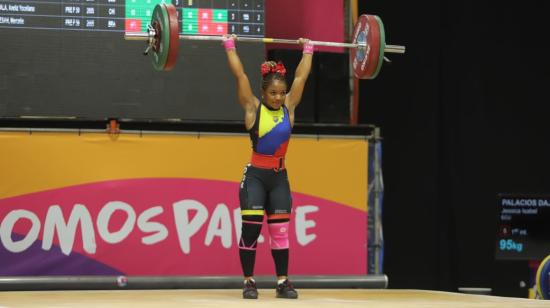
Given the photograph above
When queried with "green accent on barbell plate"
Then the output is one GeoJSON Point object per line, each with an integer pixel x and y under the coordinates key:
{"type": "Point", "coordinates": [382, 47]}
{"type": "Point", "coordinates": [161, 15]}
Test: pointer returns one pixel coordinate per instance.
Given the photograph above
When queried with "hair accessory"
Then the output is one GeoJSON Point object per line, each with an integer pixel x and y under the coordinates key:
{"type": "Point", "coordinates": [271, 67]}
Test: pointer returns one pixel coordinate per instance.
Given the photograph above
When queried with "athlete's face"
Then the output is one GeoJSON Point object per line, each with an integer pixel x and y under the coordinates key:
{"type": "Point", "coordinates": [275, 94]}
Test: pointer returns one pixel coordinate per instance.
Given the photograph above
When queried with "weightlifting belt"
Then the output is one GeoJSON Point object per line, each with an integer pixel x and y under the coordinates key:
{"type": "Point", "coordinates": [276, 163]}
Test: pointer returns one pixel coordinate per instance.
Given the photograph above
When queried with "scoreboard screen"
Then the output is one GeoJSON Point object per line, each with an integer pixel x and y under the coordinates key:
{"type": "Point", "coordinates": [201, 17]}
{"type": "Point", "coordinates": [523, 227]}
{"type": "Point", "coordinates": [69, 58]}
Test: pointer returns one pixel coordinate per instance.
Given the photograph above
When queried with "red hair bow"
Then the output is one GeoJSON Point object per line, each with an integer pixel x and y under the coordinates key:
{"type": "Point", "coordinates": [270, 67]}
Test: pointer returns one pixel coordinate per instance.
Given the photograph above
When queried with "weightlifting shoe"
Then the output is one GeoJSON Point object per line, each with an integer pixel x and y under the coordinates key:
{"type": "Point", "coordinates": [286, 290]}
{"type": "Point", "coordinates": [250, 291]}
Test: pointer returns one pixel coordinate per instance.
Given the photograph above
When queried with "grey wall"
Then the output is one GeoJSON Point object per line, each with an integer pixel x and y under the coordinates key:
{"type": "Point", "coordinates": [96, 75]}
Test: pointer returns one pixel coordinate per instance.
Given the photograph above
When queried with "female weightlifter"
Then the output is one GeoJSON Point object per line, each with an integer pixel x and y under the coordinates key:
{"type": "Point", "coordinates": [264, 188]}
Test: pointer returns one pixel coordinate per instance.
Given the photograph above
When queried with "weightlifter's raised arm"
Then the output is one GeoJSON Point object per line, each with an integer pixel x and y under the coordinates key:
{"type": "Point", "coordinates": [248, 101]}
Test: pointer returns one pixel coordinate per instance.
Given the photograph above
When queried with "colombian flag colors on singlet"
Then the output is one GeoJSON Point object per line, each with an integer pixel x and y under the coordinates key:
{"type": "Point", "coordinates": [271, 131]}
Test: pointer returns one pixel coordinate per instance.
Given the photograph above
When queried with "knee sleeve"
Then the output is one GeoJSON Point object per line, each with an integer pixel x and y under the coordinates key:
{"type": "Point", "coordinates": [279, 235]}
{"type": "Point", "coordinates": [251, 228]}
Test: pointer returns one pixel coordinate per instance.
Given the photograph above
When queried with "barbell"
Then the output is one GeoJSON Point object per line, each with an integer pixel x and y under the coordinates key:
{"type": "Point", "coordinates": [367, 48]}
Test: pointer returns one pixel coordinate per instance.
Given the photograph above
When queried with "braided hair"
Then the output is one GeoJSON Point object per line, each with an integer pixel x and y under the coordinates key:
{"type": "Point", "coordinates": [271, 71]}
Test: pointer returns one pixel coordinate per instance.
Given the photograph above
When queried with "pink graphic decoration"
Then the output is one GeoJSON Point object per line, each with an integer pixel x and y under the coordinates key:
{"type": "Point", "coordinates": [167, 226]}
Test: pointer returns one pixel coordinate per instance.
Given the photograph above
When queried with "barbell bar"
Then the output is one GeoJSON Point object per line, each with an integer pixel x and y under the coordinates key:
{"type": "Point", "coordinates": [367, 49]}
{"type": "Point", "coordinates": [142, 36]}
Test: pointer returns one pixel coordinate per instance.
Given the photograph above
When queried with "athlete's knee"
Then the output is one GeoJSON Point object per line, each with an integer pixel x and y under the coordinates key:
{"type": "Point", "coordinates": [250, 231]}
{"type": "Point", "coordinates": [278, 232]}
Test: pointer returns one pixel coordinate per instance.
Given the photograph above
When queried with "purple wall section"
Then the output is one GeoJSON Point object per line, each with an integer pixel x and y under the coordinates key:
{"type": "Point", "coordinates": [320, 20]}
{"type": "Point", "coordinates": [35, 261]}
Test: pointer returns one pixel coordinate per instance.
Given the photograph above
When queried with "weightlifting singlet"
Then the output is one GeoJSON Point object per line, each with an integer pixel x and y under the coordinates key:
{"type": "Point", "coordinates": [271, 133]}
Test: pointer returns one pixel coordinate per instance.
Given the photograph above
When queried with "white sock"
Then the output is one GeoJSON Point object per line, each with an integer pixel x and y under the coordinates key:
{"type": "Point", "coordinates": [251, 279]}
{"type": "Point", "coordinates": [280, 281]}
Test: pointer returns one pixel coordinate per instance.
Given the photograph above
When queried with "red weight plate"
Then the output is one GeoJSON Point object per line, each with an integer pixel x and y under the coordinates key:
{"type": "Point", "coordinates": [373, 40]}
{"type": "Point", "coordinates": [366, 60]}
{"type": "Point", "coordinates": [161, 23]}
{"type": "Point", "coordinates": [174, 37]}
{"type": "Point", "coordinates": [382, 46]}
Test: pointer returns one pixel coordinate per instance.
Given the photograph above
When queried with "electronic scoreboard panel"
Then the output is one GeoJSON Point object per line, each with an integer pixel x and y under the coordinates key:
{"type": "Point", "coordinates": [523, 227]}
{"type": "Point", "coordinates": [69, 58]}
{"type": "Point", "coordinates": [201, 17]}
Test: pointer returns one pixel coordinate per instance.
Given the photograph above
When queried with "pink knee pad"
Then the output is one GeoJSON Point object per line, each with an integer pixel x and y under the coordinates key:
{"type": "Point", "coordinates": [279, 235]}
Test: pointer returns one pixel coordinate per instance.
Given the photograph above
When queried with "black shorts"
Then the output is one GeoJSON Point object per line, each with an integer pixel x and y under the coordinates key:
{"type": "Point", "coordinates": [265, 190]}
